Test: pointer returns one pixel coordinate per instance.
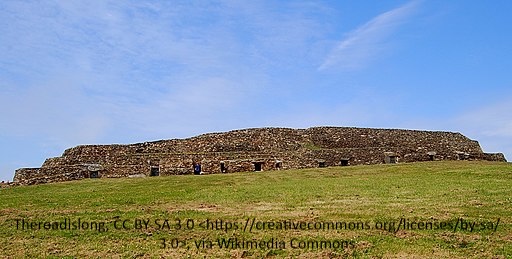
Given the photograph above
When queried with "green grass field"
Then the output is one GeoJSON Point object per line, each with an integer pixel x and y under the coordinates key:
{"type": "Point", "coordinates": [456, 209]}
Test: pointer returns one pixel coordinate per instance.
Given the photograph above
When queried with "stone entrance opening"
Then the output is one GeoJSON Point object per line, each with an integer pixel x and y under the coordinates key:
{"type": "Point", "coordinates": [279, 164]}
{"type": "Point", "coordinates": [462, 156]}
{"type": "Point", "coordinates": [155, 171]}
{"type": "Point", "coordinates": [431, 155]}
{"type": "Point", "coordinates": [390, 158]}
{"type": "Point", "coordinates": [94, 170]}
{"type": "Point", "coordinates": [258, 166]}
{"type": "Point", "coordinates": [223, 167]}
{"type": "Point", "coordinates": [321, 163]}
{"type": "Point", "coordinates": [344, 161]}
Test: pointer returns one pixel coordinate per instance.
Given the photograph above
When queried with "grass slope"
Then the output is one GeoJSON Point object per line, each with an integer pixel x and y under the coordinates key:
{"type": "Point", "coordinates": [363, 200]}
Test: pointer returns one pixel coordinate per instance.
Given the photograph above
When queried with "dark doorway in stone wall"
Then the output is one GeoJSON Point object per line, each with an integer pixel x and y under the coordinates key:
{"type": "Point", "coordinates": [94, 174]}
{"type": "Point", "coordinates": [279, 165]}
{"type": "Point", "coordinates": [258, 166]}
{"type": "Point", "coordinates": [390, 158]}
{"type": "Point", "coordinates": [344, 162]}
{"type": "Point", "coordinates": [155, 171]}
{"type": "Point", "coordinates": [321, 163]}
{"type": "Point", "coordinates": [431, 156]}
{"type": "Point", "coordinates": [462, 156]}
{"type": "Point", "coordinates": [94, 170]}
{"type": "Point", "coordinates": [223, 167]}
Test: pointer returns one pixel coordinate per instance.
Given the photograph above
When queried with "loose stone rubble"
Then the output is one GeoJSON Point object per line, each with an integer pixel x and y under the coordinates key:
{"type": "Point", "coordinates": [256, 150]}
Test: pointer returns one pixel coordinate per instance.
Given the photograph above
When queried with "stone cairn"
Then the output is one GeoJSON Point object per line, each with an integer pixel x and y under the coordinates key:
{"type": "Point", "coordinates": [255, 150]}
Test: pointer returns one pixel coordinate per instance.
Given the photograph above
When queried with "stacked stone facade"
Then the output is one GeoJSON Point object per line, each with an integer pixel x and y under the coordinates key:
{"type": "Point", "coordinates": [255, 150]}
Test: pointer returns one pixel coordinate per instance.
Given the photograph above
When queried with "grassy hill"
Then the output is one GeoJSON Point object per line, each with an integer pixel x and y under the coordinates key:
{"type": "Point", "coordinates": [455, 209]}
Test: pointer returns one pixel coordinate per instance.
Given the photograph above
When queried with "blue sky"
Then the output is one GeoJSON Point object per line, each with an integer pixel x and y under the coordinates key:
{"type": "Point", "coordinates": [87, 72]}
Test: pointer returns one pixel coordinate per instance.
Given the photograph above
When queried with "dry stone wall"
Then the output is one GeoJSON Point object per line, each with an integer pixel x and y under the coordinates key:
{"type": "Point", "coordinates": [256, 150]}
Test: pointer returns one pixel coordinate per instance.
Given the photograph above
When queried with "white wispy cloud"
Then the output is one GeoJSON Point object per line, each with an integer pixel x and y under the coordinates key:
{"type": "Point", "coordinates": [368, 41]}
{"type": "Point", "coordinates": [80, 72]}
